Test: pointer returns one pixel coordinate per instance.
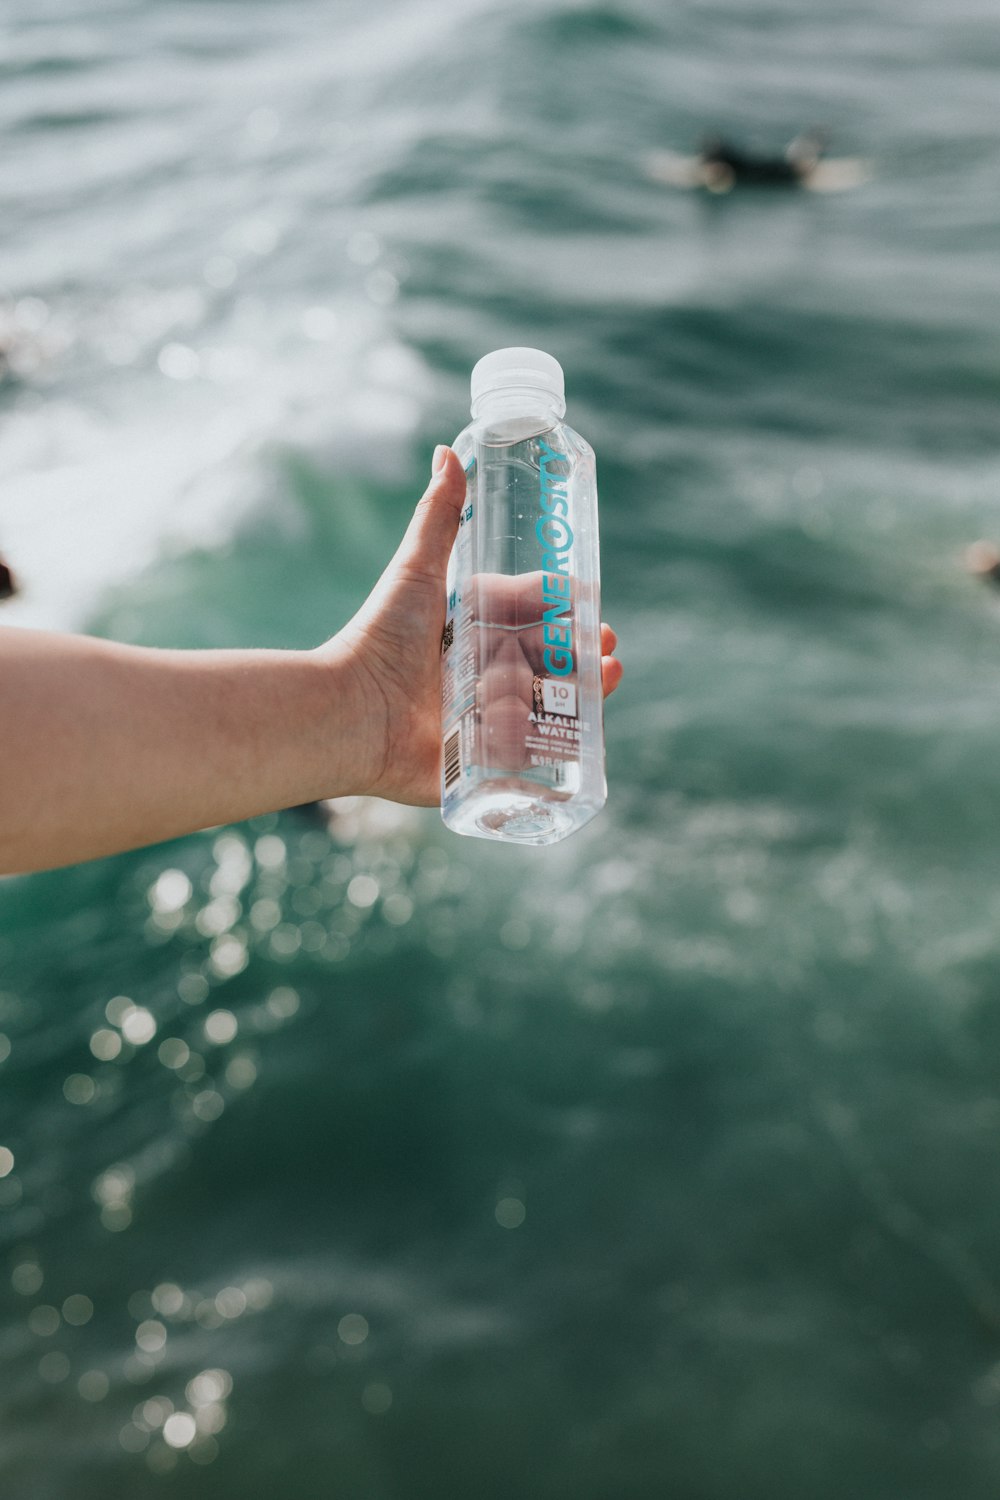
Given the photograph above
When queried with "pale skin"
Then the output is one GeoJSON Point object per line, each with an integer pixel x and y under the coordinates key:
{"type": "Point", "coordinates": [106, 747]}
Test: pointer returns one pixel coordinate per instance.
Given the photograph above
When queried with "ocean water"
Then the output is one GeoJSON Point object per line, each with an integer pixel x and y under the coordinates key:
{"type": "Point", "coordinates": [351, 1158]}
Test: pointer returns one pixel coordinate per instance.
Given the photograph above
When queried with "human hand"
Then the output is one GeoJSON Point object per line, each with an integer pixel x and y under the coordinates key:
{"type": "Point", "coordinates": [392, 651]}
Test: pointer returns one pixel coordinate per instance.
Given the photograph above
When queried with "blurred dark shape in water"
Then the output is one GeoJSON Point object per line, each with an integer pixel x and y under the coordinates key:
{"type": "Point", "coordinates": [722, 164]}
{"type": "Point", "coordinates": [982, 559]}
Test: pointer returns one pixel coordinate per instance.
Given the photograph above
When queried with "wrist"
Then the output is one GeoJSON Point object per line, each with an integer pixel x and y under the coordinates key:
{"type": "Point", "coordinates": [356, 720]}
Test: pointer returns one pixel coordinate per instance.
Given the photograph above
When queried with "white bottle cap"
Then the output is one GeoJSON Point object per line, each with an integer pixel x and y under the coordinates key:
{"type": "Point", "coordinates": [518, 370]}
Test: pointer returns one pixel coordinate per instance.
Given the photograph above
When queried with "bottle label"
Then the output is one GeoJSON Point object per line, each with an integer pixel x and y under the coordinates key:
{"type": "Point", "coordinates": [556, 538]}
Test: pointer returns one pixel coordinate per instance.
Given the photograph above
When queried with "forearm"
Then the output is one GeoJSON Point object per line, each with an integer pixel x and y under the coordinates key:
{"type": "Point", "coordinates": [106, 747]}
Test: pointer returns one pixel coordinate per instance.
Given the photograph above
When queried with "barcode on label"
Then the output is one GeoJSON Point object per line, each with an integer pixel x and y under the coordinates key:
{"type": "Point", "coordinates": [452, 758]}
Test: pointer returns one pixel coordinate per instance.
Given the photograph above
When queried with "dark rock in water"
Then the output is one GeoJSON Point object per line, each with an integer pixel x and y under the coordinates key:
{"type": "Point", "coordinates": [8, 587]}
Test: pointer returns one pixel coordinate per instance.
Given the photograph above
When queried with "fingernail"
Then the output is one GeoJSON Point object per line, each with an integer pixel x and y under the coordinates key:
{"type": "Point", "coordinates": [438, 461]}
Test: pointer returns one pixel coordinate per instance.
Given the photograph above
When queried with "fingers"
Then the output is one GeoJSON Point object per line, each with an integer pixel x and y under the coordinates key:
{"type": "Point", "coordinates": [505, 695]}
{"type": "Point", "coordinates": [611, 668]}
{"type": "Point", "coordinates": [432, 528]}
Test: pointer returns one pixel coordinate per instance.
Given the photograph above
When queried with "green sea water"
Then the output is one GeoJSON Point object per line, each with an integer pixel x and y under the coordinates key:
{"type": "Point", "coordinates": [354, 1159]}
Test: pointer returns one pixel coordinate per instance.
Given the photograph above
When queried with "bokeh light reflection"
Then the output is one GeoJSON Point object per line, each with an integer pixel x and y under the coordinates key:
{"type": "Point", "coordinates": [170, 892]}
{"type": "Point", "coordinates": [138, 1025]}
{"type": "Point", "coordinates": [54, 1367]}
{"type": "Point", "coordinates": [208, 1387]}
{"type": "Point", "coordinates": [231, 1302]}
{"type": "Point", "coordinates": [77, 1310]}
{"type": "Point", "coordinates": [151, 1336]}
{"type": "Point", "coordinates": [27, 1278]}
{"type": "Point", "coordinates": [179, 1429]}
{"type": "Point", "coordinates": [220, 1027]}
{"type": "Point", "coordinates": [168, 1299]}
{"type": "Point", "coordinates": [352, 1329]}
{"type": "Point", "coordinates": [93, 1385]}
{"type": "Point", "coordinates": [44, 1320]}
{"type": "Point", "coordinates": [173, 1052]}
{"type": "Point", "coordinates": [79, 1088]}
{"type": "Point", "coordinates": [105, 1044]}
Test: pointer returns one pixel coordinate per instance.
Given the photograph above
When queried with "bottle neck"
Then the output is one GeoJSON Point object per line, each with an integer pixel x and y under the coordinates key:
{"type": "Point", "coordinates": [514, 403]}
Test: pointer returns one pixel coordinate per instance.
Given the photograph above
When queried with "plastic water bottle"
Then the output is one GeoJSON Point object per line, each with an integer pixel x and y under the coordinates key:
{"type": "Point", "coordinates": [523, 708]}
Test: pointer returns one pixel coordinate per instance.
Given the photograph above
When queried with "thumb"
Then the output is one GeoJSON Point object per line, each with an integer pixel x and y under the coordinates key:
{"type": "Point", "coordinates": [428, 539]}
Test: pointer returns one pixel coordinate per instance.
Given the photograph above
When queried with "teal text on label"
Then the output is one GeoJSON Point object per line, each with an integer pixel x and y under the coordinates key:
{"type": "Point", "coordinates": [555, 536]}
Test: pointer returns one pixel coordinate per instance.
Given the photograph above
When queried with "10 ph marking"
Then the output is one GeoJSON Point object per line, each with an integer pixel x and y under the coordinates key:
{"type": "Point", "coordinates": [559, 697]}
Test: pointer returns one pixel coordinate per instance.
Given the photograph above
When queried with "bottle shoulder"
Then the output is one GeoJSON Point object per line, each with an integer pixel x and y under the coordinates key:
{"type": "Point", "coordinates": [574, 443]}
{"type": "Point", "coordinates": [558, 435]}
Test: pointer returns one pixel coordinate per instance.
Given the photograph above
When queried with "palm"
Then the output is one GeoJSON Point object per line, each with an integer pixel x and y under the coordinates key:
{"type": "Point", "coordinates": [395, 640]}
{"type": "Point", "coordinates": [400, 645]}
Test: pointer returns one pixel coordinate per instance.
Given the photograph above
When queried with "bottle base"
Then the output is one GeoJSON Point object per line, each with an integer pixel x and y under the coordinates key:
{"type": "Point", "coordinates": [521, 818]}
{"type": "Point", "coordinates": [518, 818]}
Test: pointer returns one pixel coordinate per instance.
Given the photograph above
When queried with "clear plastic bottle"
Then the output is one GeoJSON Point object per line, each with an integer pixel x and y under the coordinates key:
{"type": "Point", "coordinates": [523, 708]}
